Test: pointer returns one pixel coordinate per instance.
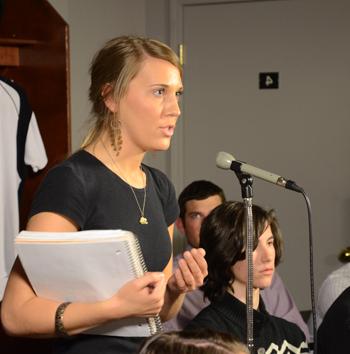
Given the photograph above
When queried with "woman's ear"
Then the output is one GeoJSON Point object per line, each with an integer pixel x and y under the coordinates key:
{"type": "Point", "coordinates": [108, 99]}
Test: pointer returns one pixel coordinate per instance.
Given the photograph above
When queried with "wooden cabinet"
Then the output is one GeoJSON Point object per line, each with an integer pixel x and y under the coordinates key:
{"type": "Point", "coordinates": [34, 52]}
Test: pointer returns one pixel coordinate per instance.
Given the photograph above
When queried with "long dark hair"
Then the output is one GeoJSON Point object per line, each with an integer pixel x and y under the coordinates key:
{"type": "Point", "coordinates": [223, 236]}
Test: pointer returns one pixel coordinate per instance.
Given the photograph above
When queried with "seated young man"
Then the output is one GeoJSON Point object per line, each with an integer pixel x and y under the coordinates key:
{"type": "Point", "coordinates": [223, 235]}
{"type": "Point", "coordinates": [196, 201]}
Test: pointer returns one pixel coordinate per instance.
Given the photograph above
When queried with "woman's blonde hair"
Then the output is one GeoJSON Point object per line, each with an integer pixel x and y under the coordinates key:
{"type": "Point", "coordinates": [111, 71]}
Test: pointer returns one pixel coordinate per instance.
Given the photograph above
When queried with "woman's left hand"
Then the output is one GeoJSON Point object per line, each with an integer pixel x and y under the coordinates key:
{"type": "Point", "coordinates": [190, 273]}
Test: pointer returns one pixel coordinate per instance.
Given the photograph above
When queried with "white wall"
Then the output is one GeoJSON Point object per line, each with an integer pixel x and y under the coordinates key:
{"type": "Point", "coordinates": [91, 24]}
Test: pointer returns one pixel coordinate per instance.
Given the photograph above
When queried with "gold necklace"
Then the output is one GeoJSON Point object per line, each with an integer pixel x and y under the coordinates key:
{"type": "Point", "coordinates": [143, 220]}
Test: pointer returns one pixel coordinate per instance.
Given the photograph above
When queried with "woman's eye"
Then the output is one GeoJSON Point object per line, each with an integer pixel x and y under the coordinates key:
{"type": "Point", "coordinates": [159, 92]}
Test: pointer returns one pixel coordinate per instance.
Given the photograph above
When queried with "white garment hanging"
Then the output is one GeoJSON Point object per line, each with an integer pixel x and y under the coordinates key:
{"type": "Point", "coordinates": [35, 156]}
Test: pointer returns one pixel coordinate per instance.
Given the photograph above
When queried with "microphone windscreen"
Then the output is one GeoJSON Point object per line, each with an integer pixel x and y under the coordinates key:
{"type": "Point", "coordinates": [224, 160]}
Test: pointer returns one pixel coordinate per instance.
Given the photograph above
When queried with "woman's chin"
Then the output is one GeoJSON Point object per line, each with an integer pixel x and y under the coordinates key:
{"type": "Point", "coordinates": [162, 146]}
{"type": "Point", "coordinates": [264, 284]}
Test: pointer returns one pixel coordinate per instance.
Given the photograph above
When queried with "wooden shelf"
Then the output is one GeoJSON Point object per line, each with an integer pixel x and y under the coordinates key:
{"type": "Point", "coordinates": [10, 49]}
{"type": "Point", "coordinates": [17, 42]}
{"type": "Point", "coordinates": [9, 56]}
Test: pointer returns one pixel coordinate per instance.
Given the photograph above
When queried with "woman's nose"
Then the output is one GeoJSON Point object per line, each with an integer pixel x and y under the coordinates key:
{"type": "Point", "coordinates": [268, 253]}
{"type": "Point", "coordinates": [173, 108]}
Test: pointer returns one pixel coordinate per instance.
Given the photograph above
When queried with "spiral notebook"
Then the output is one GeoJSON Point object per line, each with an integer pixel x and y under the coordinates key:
{"type": "Point", "coordinates": [86, 266]}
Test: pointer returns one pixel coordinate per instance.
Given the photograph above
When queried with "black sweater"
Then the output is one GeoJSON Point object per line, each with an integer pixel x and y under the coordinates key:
{"type": "Point", "coordinates": [271, 334]}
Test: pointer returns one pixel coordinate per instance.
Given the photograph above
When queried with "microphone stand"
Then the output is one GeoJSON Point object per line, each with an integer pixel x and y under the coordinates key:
{"type": "Point", "coordinates": [246, 182]}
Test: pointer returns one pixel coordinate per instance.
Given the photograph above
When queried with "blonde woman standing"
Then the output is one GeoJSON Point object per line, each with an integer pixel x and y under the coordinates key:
{"type": "Point", "coordinates": [135, 87]}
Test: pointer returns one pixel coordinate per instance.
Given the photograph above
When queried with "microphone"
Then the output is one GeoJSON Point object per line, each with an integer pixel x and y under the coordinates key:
{"type": "Point", "coordinates": [226, 161]}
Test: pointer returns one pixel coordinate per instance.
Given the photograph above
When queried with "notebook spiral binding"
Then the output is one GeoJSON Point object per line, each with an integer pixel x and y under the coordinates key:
{"type": "Point", "coordinates": [135, 253]}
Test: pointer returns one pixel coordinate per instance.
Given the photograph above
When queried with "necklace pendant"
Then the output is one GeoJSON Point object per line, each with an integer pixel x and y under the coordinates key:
{"type": "Point", "coordinates": [143, 220]}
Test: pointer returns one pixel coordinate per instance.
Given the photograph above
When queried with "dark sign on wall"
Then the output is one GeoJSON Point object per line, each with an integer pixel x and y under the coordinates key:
{"type": "Point", "coordinates": [268, 80]}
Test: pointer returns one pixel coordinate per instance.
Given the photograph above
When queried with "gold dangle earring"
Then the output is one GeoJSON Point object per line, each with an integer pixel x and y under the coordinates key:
{"type": "Point", "coordinates": [115, 134]}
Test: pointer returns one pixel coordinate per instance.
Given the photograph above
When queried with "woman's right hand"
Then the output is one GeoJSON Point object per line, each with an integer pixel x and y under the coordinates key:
{"type": "Point", "coordinates": [141, 297]}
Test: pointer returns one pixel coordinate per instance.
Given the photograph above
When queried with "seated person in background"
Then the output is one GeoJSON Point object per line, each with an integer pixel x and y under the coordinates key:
{"type": "Point", "coordinates": [196, 201]}
{"type": "Point", "coordinates": [333, 334]}
{"type": "Point", "coordinates": [223, 238]}
{"type": "Point", "coordinates": [194, 342]}
{"type": "Point", "coordinates": [335, 283]}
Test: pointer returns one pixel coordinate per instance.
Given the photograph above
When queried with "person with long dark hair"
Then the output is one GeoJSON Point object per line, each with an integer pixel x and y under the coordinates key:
{"type": "Point", "coordinates": [223, 236]}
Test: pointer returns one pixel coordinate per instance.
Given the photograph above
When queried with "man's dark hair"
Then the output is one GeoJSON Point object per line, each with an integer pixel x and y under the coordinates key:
{"type": "Point", "coordinates": [223, 237]}
{"type": "Point", "coordinates": [198, 190]}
